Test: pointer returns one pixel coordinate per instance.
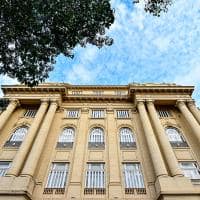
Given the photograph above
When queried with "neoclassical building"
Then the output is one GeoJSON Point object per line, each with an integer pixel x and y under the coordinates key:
{"type": "Point", "coordinates": [99, 142]}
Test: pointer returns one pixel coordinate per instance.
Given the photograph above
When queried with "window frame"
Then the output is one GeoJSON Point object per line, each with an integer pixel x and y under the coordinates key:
{"type": "Point", "coordinates": [4, 170]}
{"type": "Point", "coordinates": [30, 113]}
{"type": "Point", "coordinates": [180, 141]}
{"type": "Point", "coordinates": [12, 141]}
{"type": "Point", "coordinates": [98, 183]}
{"type": "Point", "coordinates": [62, 182]}
{"type": "Point", "coordinates": [93, 142]}
{"type": "Point", "coordinates": [196, 169]}
{"type": "Point", "coordinates": [127, 144]}
{"type": "Point", "coordinates": [65, 143]}
{"type": "Point", "coordinates": [67, 115]}
{"type": "Point", "coordinates": [100, 115]}
{"type": "Point", "coordinates": [133, 187]}
{"type": "Point", "coordinates": [126, 115]}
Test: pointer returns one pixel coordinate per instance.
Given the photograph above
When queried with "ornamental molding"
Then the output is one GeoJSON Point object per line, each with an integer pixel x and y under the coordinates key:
{"type": "Point", "coordinates": [99, 93]}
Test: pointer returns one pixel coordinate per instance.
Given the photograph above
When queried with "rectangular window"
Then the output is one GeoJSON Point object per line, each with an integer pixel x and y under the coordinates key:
{"type": "Point", "coordinates": [72, 114]}
{"type": "Point", "coordinates": [162, 113]}
{"type": "Point", "coordinates": [122, 114]}
{"type": "Point", "coordinates": [30, 113]}
{"type": "Point", "coordinates": [4, 166]}
{"type": "Point", "coordinates": [95, 176]}
{"type": "Point", "coordinates": [58, 175]}
{"type": "Point", "coordinates": [133, 177]}
{"type": "Point", "coordinates": [97, 114]}
{"type": "Point", "coordinates": [190, 169]}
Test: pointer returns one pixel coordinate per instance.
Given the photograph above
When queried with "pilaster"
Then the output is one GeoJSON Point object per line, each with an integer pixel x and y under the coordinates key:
{"type": "Point", "coordinates": [115, 187]}
{"type": "Point", "coordinates": [76, 181]}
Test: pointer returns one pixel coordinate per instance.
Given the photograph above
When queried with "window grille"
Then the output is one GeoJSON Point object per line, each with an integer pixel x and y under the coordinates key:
{"type": "Point", "coordinates": [133, 176]}
{"type": "Point", "coordinates": [119, 92]}
{"type": "Point", "coordinates": [122, 114]}
{"type": "Point", "coordinates": [190, 169]}
{"type": "Point", "coordinates": [4, 166]}
{"type": "Point", "coordinates": [76, 92]}
{"type": "Point", "coordinates": [30, 113]}
{"type": "Point", "coordinates": [17, 137]}
{"type": "Point", "coordinates": [175, 137]}
{"type": "Point", "coordinates": [97, 114]}
{"type": "Point", "coordinates": [98, 92]}
{"type": "Point", "coordinates": [66, 138]}
{"type": "Point", "coordinates": [163, 113]}
{"type": "Point", "coordinates": [72, 113]}
{"type": "Point", "coordinates": [58, 175]}
{"type": "Point", "coordinates": [96, 139]}
{"type": "Point", "coordinates": [127, 139]}
{"type": "Point", "coordinates": [95, 176]}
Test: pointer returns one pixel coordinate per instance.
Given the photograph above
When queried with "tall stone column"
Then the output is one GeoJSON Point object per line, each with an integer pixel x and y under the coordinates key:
{"type": "Point", "coordinates": [34, 155]}
{"type": "Point", "coordinates": [194, 110]}
{"type": "Point", "coordinates": [165, 145]}
{"type": "Point", "coordinates": [26, 144]}
{"type": "Point", "coordinates": [115, 188]}
{"type": "Point", "coordinates": [189, 118]}
{"type": "Point", "coordinates": [75, 185]}
{"type": "Point", "coordinates": [158, 162]}
{"type": "Point", "coordinates": [7, 113]}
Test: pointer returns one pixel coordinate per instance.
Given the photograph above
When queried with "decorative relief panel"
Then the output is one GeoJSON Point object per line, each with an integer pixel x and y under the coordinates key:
{"type": "Point", "coordinates": [62, 155]}
{"type": "Point", "coordinates": [96, 155]}
{"type": "Point", "coordinates": [129, 155]}
{"type": "Point", "coordinates": [8, 154]}
{"type": "Point", "coordinates": [183, 154]}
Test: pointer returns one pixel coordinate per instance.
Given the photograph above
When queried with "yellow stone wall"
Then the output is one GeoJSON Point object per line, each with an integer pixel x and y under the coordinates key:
{"type": "Point", "coordinates": [162, 181]}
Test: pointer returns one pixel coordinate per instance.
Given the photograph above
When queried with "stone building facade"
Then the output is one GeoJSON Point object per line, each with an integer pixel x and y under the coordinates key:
{"type": "Point", "coordinates": [62, 141]}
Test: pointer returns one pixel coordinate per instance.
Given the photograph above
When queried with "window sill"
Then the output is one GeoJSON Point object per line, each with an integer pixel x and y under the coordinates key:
{"type": "Point", "coordinates": [94, 191]}
{"type": "Point", "coordinates": [134, 191]}
{"type": "Point", "coordinates": [195, 181]}
{"type": "Point", "coordinates": [71, 117]}
{"type": "Point", "coordinates": [127, 118]}
{"type": "Point", "coordinates": [97, 118]}
{"type": "Point", "coordinates": [54, 191]}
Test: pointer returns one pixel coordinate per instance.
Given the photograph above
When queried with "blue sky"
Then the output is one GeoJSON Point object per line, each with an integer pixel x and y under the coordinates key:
{"type": "Point", "coordinates": [146, 49]}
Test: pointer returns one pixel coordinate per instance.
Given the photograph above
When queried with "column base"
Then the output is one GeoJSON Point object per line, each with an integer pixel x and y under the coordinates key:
{"type": "Point", "coordinates": [74, 191]}
{"type": "Point", "coordinates": [175, 188]}
{"type": "Point", "coordinates": [115, 191]}
{"type": "Point", "coordinates": [16, 188]}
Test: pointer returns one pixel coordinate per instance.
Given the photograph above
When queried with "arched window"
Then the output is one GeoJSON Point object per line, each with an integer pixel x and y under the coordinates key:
{"type": "Point", "coordinates": [96, 139]}
{"type": "Point", "coordinates": [127, 138]}
{"type": "Point", "coordinates": [175, 137]}
{"type": "Point", "coordinates": [17, 136]}
{"type": "Point", "coordinates": [66, 138]}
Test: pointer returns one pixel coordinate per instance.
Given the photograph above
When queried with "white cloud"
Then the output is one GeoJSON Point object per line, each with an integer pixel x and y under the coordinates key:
{"type": "Point", "coordinates": [5, 80]}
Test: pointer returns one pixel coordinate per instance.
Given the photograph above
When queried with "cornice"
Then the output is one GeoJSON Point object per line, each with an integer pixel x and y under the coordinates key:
{"type": "Point", "coordinates": [161, 89]}
{"type": "Point", "coordinates": [131, 91]}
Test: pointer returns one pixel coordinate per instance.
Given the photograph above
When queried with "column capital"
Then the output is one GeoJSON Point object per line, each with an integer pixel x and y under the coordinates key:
{"type": "Point", "coordinates": [150, 101]}
{"type": "Point", "coordinates": [140, 101]}
{"type": "Point", "coordinates": [44, 101]}
{"type": "Point", "coordinates": [85, 110]}
{"type": "Point", "coordinates": [14, 102]}
{"type": "Point", "coordinates": [54, 102]}
{"type": "Point", "coordinates": [191, 102]}
{"type": "Point", "coordinates": [180, 102]}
